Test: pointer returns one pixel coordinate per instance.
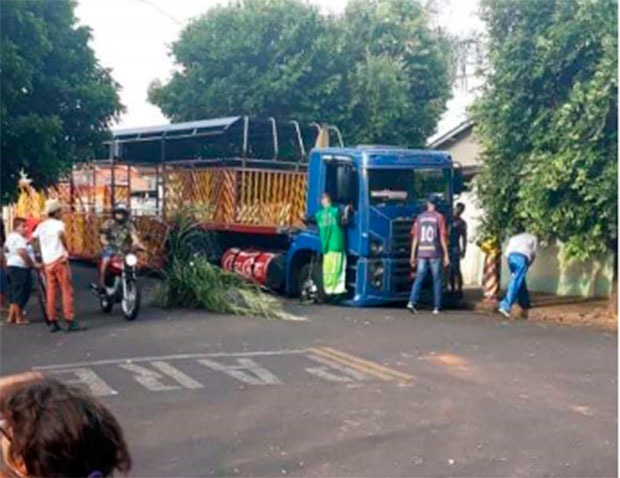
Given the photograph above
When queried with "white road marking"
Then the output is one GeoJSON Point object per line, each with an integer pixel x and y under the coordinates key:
{"type": "Point", "coordinates": [168, 357]}
{"type": "Point", "coordinates": [325, 374]}
{"type": "Point", "coordinates": [152, 380]}
{"type": "Point", "coordinates": [85, 376]}
{"type": "Point", "coordinates": [348, 372]}
{"type": "Point", "coordinates": [156, 374]}
{"type": "Point", "coordinates": [181, 377]}
{"type": "Point", "coordinates": [261, 376]}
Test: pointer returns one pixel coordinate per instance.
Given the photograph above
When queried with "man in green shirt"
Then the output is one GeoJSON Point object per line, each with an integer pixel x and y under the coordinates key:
{"type": "Point", "coordinates": [329, 222]}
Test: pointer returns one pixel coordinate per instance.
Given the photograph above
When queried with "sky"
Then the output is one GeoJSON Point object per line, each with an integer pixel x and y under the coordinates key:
{"type": "Point", "coordinates": [133, 39]}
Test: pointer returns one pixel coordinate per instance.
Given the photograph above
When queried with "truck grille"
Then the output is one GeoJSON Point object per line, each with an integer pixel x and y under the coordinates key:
{"type": "Point", "coordinates": [401, 277]}
{"type": "Point", "coordinates": [401, 238]}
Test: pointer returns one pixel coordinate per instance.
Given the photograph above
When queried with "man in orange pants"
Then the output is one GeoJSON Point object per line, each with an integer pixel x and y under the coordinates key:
{"type": "Point", "coordinates": [50, 243]}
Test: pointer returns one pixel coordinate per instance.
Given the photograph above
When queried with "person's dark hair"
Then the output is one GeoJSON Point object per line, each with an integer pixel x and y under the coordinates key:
{"type": "Point", "coordinates": [18, 221]}
{"type": "Point", "coordinates": [60, 430]}
{"type": "Point", "coordinates": [326, 195]}
{"type": "Point", "coordinates": [460, 206]}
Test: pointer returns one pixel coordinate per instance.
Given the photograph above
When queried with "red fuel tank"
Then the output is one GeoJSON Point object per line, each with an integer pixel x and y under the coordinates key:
{"type": "Point", "coordinates": [266, 268]}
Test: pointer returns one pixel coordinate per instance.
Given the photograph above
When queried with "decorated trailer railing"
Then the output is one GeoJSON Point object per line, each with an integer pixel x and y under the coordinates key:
{"type": "Point", "coordinates": [238, 174]}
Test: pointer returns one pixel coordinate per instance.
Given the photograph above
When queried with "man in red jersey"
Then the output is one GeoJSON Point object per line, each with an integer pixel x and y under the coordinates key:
{"type": "Point", "coordinates": [429, 250]}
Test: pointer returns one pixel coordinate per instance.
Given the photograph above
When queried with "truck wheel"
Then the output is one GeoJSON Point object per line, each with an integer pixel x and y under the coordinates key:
{"type": "Point", "coordinates": [310, 284]}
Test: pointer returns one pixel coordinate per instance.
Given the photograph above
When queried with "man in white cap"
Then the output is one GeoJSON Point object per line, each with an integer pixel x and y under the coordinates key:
{"type": "Point", "coordinates": [51, 244]}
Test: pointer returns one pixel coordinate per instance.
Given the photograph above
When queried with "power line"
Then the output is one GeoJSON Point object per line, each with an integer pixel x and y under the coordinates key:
{"type": "Point", "coordinates": [161, 11]}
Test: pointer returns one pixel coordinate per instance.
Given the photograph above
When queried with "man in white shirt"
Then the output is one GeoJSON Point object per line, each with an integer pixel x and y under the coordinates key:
{"type": "Point", "coordinates": [18, 263]}
{"type": "Point", "coordinates": [520, 252]}
{"type": "Point", "coordinates": [51, 244]}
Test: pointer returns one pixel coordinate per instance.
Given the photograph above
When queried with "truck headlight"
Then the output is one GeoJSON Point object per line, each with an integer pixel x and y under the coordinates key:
{"type": "Point", "coordinates": [376, 247]}
{"type": "Point", "coordinates": [376, 271]}
{"type": "Point", "coordinates": [131, 260]}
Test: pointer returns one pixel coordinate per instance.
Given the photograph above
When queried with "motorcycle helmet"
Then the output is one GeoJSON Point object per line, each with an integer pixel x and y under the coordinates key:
{"type": "Point", "coordinates": [120, 212]}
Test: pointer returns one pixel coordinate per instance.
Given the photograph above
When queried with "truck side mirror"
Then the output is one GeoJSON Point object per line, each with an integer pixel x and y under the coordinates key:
{"type": "Point", "coordinates": [457, 181]}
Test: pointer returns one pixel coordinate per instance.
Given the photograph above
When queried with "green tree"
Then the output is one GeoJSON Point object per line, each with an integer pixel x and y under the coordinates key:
{"type": "Point", "coordinates": [379, 100]}
{"type": "Point", "coordinates": [56, 102]}
{"type": "Point", "coordinates": [379, 71]}
{"type": "Point", "coordinates": [257, 57]}
{"type": "Point", "coordinates": [548, 122]}
{"type": "Point", "coordinates": [399, 60]}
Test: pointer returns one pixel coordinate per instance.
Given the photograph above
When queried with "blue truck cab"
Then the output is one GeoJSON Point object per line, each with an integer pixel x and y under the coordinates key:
{"type": "Point", "coordinates": [387, 187]}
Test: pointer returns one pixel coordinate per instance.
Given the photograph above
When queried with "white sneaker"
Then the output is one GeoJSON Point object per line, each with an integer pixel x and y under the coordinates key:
{"type": "Point", "coordinates": [505, 313]}
{"type": "Point", "coordinates": [411, 308]}
{"type": "Point", "coordinates": [435, 311]}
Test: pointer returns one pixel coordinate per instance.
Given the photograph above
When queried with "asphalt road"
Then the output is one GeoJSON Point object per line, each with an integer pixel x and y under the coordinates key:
{"type": "Point", "coordinates": [350, 392]}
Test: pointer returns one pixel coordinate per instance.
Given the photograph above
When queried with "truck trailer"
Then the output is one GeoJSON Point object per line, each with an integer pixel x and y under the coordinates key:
{"type": "Point", "coordinates": [254, 186]}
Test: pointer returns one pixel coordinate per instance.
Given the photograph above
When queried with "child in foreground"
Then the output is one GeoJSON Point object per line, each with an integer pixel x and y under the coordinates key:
{"type": "Point", "coordinates": [19, 264]}
{"type": "Point", "coordinates": [49, 429]}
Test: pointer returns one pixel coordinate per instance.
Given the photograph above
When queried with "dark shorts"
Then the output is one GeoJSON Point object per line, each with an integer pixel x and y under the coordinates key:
{"type": "Point", "coordinates": [20, 285]}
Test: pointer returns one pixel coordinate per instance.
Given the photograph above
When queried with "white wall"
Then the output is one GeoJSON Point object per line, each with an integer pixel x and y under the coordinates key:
{"type": "Point", "coordinates": [466, 151]}
{"type": "Point", "coordinates": [473, 263]}
{"type": "Point", "coordinates": [550, 274]}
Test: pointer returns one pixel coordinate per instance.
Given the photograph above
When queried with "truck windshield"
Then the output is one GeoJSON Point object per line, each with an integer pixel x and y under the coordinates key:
{"type": "Point", "coordinates": [401, 187]}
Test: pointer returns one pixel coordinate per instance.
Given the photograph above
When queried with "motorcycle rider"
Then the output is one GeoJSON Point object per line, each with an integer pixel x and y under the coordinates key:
{"type": "Point", "coordinates": [118, 237]}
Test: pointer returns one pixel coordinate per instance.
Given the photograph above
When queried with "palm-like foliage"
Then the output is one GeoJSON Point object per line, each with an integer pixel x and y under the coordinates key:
{"type": "Point", "coordinates": [191, 281]}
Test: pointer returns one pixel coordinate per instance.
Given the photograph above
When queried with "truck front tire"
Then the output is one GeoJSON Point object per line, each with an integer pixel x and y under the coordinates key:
{"type": "Point", "coordinates": [310, 283]}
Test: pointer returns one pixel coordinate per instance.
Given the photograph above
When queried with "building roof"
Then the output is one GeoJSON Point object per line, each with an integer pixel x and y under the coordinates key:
{"type": "Point", "coordinates": [451, 134]}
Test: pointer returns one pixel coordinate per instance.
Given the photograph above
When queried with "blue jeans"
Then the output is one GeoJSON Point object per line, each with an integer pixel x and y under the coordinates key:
{"type": "Point", "coordinates": [517, 288]}
{"type": "Point", "coordinates": [108, 253]}
{"type": "Point", "coordinates": [423, 266]}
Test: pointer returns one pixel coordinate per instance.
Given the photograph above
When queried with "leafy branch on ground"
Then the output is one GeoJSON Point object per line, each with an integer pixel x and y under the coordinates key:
{"type": "Point", "coordinates": [191, 281]}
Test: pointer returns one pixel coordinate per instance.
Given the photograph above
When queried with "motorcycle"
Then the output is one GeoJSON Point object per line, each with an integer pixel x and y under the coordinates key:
{"type": "Point", "coordinates": [121, 286]}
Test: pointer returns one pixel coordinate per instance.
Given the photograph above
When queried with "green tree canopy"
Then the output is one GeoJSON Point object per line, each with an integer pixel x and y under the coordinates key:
{"type": "Point", "coordinates": [399, 80]}
{"type": "Point", "coordinates": [548, 122]}
{"type": "Point", "coordinates": [379, 71]}
{"type": "Point", "coordinates": [56, 102]}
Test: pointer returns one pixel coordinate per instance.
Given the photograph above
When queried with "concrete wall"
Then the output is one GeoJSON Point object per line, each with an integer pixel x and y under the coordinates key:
{"type": "Point", "coordinates": [473, 263]}
{"type": "Point", "coordinates": [466, 151]}
{"type": "Point", "coordinates": [548, 274]}
{"type": "Point", "coordinates": [551, 275]}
